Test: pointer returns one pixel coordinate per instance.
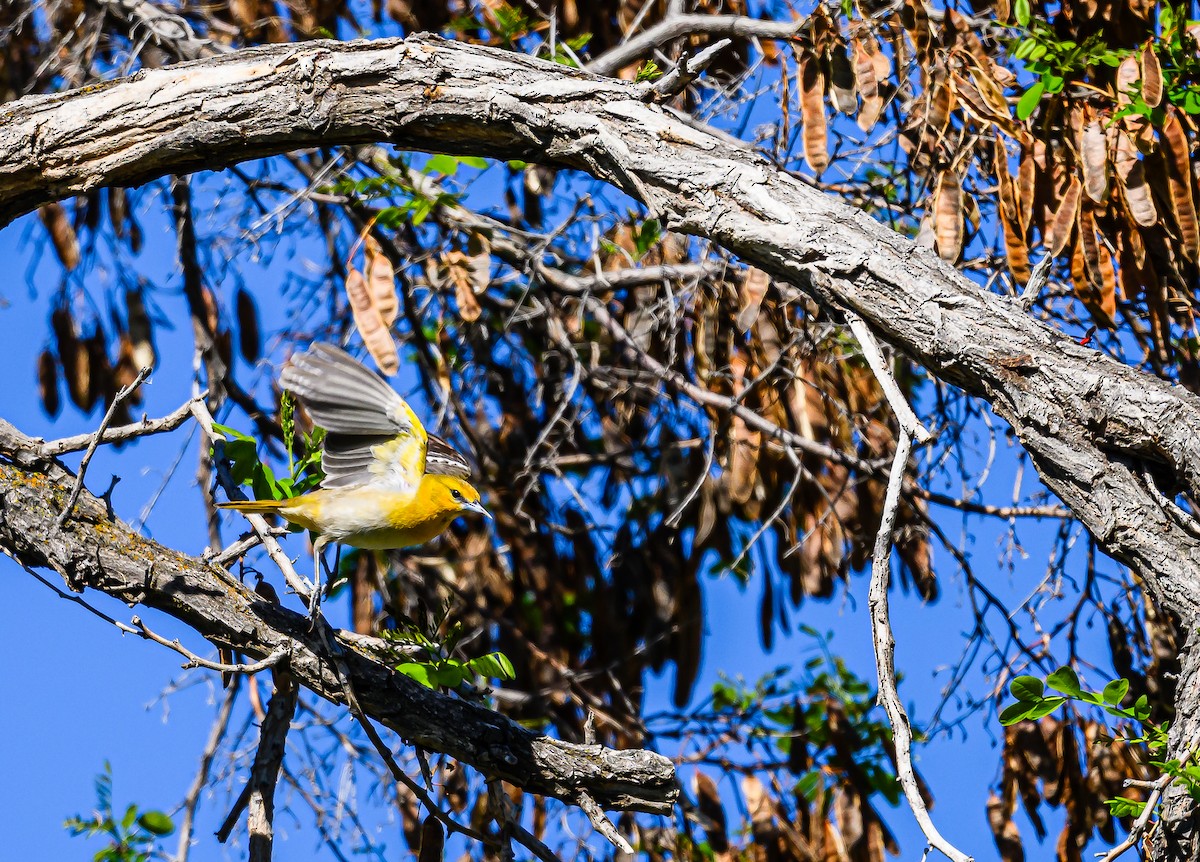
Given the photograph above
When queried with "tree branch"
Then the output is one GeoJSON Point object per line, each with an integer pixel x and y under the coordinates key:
{"type": "Point", "coordinates": [93, 551]}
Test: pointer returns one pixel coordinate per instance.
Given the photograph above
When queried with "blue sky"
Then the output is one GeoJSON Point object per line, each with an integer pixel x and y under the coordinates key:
{"type": "Point", "coordinates": [86, 693]}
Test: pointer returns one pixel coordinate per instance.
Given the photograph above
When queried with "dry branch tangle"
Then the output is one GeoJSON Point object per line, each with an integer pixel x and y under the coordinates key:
{"type": "Point", "coordinates": [1096, 429]}
{"type": "Point", "coordinates": [92, 551]}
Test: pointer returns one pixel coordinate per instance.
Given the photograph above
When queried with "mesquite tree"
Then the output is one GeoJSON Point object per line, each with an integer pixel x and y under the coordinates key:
{"type": "Point", "coordinates": [670, 377]}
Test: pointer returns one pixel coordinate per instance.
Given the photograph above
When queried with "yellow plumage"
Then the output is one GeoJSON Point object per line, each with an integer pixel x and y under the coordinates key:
{"type": "Point", "coordinates": [388, 483]}
{"type": "Point", "coordinates": [374, 518]}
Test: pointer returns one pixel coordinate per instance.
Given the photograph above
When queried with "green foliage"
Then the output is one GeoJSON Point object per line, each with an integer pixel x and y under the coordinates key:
{"type": "Point", "coordinates": [131, 838]}
{"type": "Point", "coordinates": [246, 468]}
{"type": "Point", "coordinates": [648, 72]}
{"type": "Point", "coordinates": [503, 22]}
{"type": "Point", "coordinates": [799, 713]}
{"type": "Point", "coordinates": [405, 203]}
{"type": "Point", "coordinates": [646, 235]}
{"type": "Point", "coordinates": [442, 669]}
{"type": "Point", "coordinates": [1057, 62]}
{"type": "Point", "coordinates": [1032, 703]}
{"type": "Point", "coordinates": [576, 45]}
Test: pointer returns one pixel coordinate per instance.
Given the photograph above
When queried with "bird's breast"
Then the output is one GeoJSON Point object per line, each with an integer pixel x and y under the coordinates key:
{"type": "Point", "coordinates": [369, 518]}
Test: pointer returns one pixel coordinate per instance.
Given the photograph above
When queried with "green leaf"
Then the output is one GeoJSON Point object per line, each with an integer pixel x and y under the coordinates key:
{"type": "Point", "coordinates": [422, 673]}
{"type": "Point", "coordinates": [474, 162]}
{"type": "Point", "coordinates": [1065, 680]}
{"type": "Point", "coordinates": [1115, 691]}
{"type": "Point", "coordinates": [451, 675]}
{"type": "Point", "coordinates": [231, 433]}
{"type": "Point", "coordinates": [493, 666]}
{"type": "Point", "coordinates": [1046, 707]}
{"type": "Point", "coordinates": [809, 784]}
{"type": "Point", "coordinates": [1015, 712]}
{"type": "Point", "coordinates": [1054, 83]}
{"type": "Point", "coordinates": [648, 72]}
{"type": "Point", "coordinates": [130, 817]}
{"type": "Point", "coordinates": [1021, 10]}
{"type": "Point", "coordinates": [1027, 688]}
{"type": "Point", "coordinates": [1029, 101]}
{"type": "Point", "coordinates": [1141, 708]}
{"type": "Point", "coordinates": [1124, 807]}
{"type": "Point", "coordinates": [156, 823]}
{"type": "Point", "coordinates": [442, 164]}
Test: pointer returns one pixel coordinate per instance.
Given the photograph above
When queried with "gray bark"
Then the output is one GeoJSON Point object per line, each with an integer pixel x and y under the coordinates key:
{"type": "Point", "coordinates": [1104, 437]}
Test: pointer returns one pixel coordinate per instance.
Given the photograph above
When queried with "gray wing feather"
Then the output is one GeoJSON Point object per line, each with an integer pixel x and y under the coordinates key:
{"type": "Point", "coordinates": [442, 458]}
{"type": "Point", "coordinates": [347, 459]}
{"type": "Point", "coordinates": [357, 409]}
{"type": "Point", "coordinates": [341, 395]}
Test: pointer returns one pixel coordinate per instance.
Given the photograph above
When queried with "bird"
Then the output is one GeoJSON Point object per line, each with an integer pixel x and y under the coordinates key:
{"type": "Point", "coordinates": [388, 482]}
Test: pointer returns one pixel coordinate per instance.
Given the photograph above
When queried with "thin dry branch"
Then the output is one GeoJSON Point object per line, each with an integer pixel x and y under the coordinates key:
{"type": "Point", "coordinates": [124, 393]}
{"type": "Point", "coordinates": [885, 645]}
{"type": "Point", "coordinates": [678, 26]}
{"type": "Point", "coordinates": [194, 660]}
{"type": "Point", "coordinates": [122, 433]}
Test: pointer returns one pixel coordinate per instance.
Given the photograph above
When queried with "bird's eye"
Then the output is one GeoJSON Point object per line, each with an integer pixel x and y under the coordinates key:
{"type": "Point", "coordinates": [456, 495]}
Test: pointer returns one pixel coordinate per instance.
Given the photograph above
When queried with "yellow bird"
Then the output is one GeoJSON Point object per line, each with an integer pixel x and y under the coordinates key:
{"type": "Point", "coordinates": [388, 483]}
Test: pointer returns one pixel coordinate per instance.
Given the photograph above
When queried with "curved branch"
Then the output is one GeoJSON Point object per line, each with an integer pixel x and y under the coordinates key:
{"type": "Point", "coordinates": [92, 551]}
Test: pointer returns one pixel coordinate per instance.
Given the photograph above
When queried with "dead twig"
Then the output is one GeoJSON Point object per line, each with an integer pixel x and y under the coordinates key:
{"type": "Point", "coordinates": [124, 393]}
{"type": "Point", "coordinates": [144, 428]}
{"type": "Point", "coordinates": [1140, 826]}
{"type": "Point", "coordinates": [194, 660]}
{"type": "Point", "coordinates": [885, 660]}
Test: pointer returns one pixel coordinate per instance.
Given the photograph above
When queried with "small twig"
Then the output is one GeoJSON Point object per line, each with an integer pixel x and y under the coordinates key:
{"type": "Point", "coordinates": [1037, 280]}
{"type": "Point", "coordinates": [71, 597]}
{"type": "Point", "coordinates": [603, 825]}
{"type": "Point", "coordinates": [503, 806]}
{"type": "Point", "coordinates": [680, 78]}
{"type": "Point", "coordinates": [95, 441]}
{"type": "Point", "coordinates": [908, 420]}
{"type": "Point", "coordinates": [885, 644]}
{"type": "Point", "coordinates": [678, 26]}
{"type": "Point", "coordinates": [192, 800]}
{"type": "Point", "coordinates": [144, 428]}
{"type": "Point", "coordinates": [241, 546]}
{"type": "Point", "coordinates": [1157, 787]}
{"type": "Point", "coordinates": [194, 660]}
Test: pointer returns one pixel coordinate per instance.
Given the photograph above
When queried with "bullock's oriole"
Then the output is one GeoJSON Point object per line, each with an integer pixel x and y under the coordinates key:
{"type": "Point", "coordinates": [388, 483]}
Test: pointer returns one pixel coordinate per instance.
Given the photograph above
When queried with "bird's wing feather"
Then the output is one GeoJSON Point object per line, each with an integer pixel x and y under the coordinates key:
{"type": "Point", "coordinates": [444, 459]}
{"type": "Point", "coordinates": [373, 435]}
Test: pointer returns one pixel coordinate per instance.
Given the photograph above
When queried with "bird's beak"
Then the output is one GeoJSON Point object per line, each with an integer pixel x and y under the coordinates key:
{"type": "Point", "coordinates": [477, 507]}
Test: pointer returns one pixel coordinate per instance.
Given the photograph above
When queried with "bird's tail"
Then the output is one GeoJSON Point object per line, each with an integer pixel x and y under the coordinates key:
{"type": "Point", "coordinates": [255, 506]}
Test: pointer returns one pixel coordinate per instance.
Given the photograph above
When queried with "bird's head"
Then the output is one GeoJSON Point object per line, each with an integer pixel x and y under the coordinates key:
{"type": "Point", "coordinates": [453, 495]}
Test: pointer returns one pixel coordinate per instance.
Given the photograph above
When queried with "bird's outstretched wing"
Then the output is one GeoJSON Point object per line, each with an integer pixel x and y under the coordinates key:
{"type": "Point", "coordinates": [373, 438]}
